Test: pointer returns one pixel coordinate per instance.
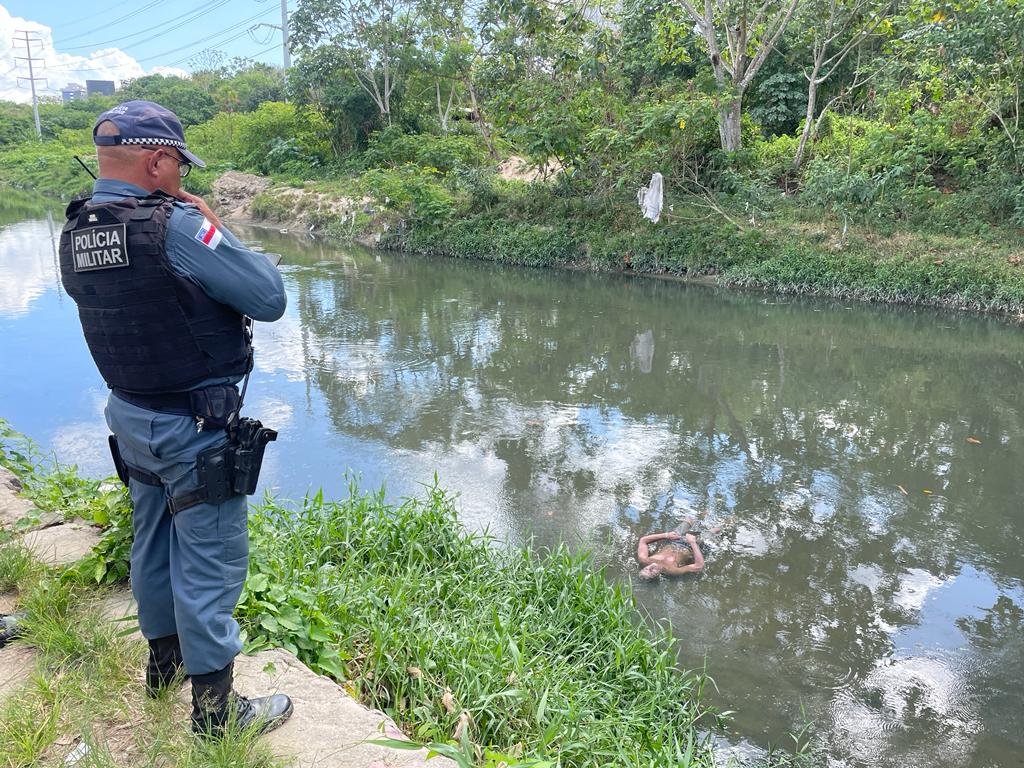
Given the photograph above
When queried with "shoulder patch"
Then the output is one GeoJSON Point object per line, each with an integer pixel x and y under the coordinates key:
{"type": "Point", "coordinates": [209, 235]}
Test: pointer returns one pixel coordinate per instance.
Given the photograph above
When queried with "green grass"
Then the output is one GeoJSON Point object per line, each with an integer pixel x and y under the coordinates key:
{"type": "Point", "coordinates": [536, 653]}
{"type": "Point", "coordinates": [784, 254]}
{"type": "Point", "coordinates": [56, 487]}
{"type": "Point", "coordinates": [16, 565]}
{"type": "Point", "coordinates": [86, 686]}
{"type": "Point", "coordinates": [428, 622]}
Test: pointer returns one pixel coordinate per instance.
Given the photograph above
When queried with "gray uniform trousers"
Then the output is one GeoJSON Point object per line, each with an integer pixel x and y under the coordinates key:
{"type": "Point", "coordinates": [187, 570]}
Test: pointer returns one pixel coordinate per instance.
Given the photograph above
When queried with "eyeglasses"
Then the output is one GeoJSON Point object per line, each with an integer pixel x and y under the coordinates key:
{"type": "Point", "coordinates": [184, 166]}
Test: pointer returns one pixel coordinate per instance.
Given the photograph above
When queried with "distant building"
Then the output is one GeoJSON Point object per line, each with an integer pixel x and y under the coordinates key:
{"type": "Point", "coordinates": [100, 87]}
{"type": "Point", "coordinates": [72, 92]}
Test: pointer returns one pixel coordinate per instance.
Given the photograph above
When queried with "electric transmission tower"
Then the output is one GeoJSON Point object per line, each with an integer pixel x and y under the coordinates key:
{"type": "Point", "coordinates": [28, 42]}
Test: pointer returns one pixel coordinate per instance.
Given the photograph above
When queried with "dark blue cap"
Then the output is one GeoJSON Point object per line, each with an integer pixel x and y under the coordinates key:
{"type": "Point", "coordinates": [144, 123]}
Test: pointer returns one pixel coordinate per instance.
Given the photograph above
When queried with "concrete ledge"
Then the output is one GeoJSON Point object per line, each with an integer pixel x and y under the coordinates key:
{"type": "Point", "coordinates": [62, 544]}
{"type": "Point", "coordinates": [329, 728]}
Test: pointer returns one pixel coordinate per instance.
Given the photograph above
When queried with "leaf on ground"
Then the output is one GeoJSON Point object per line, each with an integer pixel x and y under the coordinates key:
{"type": "Point", "coordinates": [902, 490]}
{"type": "Point", "coordinates": [927, 491]}
{"type": "Point", "coordinates": [973, 441]}
{"type": "Point", "coordinates": [415, 672]}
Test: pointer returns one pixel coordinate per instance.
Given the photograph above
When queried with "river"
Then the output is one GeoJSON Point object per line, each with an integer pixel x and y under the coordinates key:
{"type": "Point", "coordinates": [864, 462]}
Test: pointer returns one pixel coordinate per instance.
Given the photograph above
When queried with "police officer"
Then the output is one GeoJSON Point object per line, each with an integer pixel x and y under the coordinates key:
{"type": "Point", "coordinates": [164, 292]}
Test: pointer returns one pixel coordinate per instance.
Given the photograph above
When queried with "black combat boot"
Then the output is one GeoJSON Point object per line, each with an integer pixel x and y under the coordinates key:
{"type": "Point", "coordinates": [166, 665]}
{"type": "Point", "coordinates": [11, 626]}
{"type": "Point", "coordinates": [215, 706]}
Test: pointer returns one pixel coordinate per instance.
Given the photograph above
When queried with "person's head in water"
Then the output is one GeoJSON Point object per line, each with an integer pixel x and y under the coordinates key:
{"type": "Point", "coordinates": [650, 572]}
{"type": "Point", "coordinates": [654, 570]}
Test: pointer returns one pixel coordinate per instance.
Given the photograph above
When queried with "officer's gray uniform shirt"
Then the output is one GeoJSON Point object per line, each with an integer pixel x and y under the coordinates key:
{"type": "Point", "coordinates": [230, 273]}
{"type": "Point", "coordinates": [187, 570]}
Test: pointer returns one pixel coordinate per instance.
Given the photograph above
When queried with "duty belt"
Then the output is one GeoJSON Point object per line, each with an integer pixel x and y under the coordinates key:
{"type": "Point", "coordinates": [213, 407]}
{"type": "Point", "coordinates": [178, 403]}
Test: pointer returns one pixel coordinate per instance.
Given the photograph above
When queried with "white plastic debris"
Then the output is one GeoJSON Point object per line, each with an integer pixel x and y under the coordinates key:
{"type": "Point", "coordinates": [76, 755]}
{"type": "Point", "coordinates": [651, 198]}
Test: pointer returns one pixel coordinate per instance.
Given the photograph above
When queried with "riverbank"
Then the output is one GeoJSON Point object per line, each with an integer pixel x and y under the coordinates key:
{"type": "Point", "coordinates": [770, 243]}
{"type": "Point", "coordinates": [503, 656]}
{"type": "Point", "coordinates": [791, 251]}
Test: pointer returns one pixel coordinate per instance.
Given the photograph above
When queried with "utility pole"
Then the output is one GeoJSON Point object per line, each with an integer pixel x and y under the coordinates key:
{"type": "Point", "coordinates": [31, 71]}
{"type": "Point", "coordinates": [286, 55]}
{"type": "Point", "coordinates": [284, 36]}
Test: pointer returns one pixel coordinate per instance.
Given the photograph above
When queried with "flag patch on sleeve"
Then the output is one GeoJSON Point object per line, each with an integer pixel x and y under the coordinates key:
{"type": "Point", "coordinates": [209, 235]}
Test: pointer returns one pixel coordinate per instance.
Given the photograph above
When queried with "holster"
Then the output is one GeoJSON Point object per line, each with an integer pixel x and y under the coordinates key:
{"type": "Point", "coordinates": [222, 471]}
{"type": "Point", "coordinates": [250, 443]}
{"type": "Point", "coordinates": [119, 466]}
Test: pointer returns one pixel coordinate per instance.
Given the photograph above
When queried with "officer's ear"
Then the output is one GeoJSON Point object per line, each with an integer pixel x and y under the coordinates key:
{"type": "Point", "coordinates": [153, 161]}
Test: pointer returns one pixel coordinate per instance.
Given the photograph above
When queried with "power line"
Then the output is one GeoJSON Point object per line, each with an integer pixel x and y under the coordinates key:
{"type": "Point", "coordinates": [286, 55]}
{"type": "Point", "coordinates": [174, 50]}
{"type": "Point", "coordinates": [92, 15]}
{"type": "Point", "coordinates": [185, 58]}
{"type": "Point", "coordinates": [31, 72]}
{"type": "Point", "coordinates": [111, 23]}
{"type": "Point", "coordinates": [208, 37]}
{"type": "Point", "coordinates": [188, 18]}
{"type": "Point", "coordinates": [258, 53]}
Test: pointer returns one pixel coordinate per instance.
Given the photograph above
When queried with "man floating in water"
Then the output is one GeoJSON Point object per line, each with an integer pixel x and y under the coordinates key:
{"type": "Point", "coordinates": [682, 555]}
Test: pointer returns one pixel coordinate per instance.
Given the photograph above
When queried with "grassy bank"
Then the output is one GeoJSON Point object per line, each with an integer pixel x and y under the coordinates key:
{"type": "Point", "coordinates": [528, 655]}
{"type": "Point", "coordinates": [793, 251]}
{"type": "Point", "coordinates": [909, 251]}
{"type": "Point", "coordinates": [84, 687]}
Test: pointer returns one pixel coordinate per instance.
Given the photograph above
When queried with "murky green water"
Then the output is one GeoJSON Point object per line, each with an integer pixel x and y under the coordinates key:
{"type": "Point", "coordinates": [593, 409]}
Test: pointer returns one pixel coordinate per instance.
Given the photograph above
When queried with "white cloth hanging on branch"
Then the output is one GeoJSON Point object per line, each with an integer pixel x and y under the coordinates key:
{"type": "Point", "coordinates": [651, 198]}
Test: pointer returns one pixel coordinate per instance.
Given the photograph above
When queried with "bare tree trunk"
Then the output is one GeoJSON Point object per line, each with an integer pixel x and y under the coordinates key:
{"type": "Point", "coordinates": [805, 135]}
{"type": "Point", "coordinates": [484, 131]}
{"type": "Point", "coordinates": [729, 123]}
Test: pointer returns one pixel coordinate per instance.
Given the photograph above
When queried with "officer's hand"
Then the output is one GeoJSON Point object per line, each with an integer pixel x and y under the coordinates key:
{"type": "Point", "coordinates": [197, 201]}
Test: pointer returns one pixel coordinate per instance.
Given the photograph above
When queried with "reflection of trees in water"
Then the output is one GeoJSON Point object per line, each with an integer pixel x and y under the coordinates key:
{"type": "Point", "coordinates": [801, 423]}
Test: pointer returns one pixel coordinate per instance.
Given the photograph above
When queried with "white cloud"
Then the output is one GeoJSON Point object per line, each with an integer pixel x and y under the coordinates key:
{"type": "Point", "coordinates": [58, 68]}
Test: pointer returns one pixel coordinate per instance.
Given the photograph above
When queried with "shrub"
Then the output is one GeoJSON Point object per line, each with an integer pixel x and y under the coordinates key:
{"type": "Point", "coordinates": [411, 190]}
{"type": "Point", "coordinates": [392, 148]}
{"type": "Point", "coordinates": [276, 138]}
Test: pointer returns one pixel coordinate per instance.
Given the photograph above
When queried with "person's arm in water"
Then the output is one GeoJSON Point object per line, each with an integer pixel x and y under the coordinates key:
{"type": "Point", "coordinates": [643, 554]}
{"type": "Point", "coordinates": [695, 566]}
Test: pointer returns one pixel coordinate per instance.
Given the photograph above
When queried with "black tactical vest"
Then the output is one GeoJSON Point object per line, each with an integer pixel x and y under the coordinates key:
{"type": "Point", "coordinates": [148, 329]}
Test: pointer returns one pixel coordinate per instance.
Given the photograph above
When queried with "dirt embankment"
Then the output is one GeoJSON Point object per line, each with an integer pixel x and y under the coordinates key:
{"type": "Point", "coordinates": [234, 192]}
{"type": "Point", "coordinates": [256, 200]}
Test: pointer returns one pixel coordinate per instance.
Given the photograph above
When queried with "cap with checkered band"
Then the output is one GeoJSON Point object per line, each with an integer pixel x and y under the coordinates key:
{"type": "Point", "coordinates": [144, 123]}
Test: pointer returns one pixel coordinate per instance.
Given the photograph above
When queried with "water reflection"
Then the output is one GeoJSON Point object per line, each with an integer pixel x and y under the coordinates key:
{"type": "Point", "coordinates": [868, 574]}
{"type": "Point", "coordinates": [27, 265]}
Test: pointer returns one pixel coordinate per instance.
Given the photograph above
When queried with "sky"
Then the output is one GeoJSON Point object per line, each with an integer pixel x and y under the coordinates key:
{"type": "Point", "coordinates": [120, 39]}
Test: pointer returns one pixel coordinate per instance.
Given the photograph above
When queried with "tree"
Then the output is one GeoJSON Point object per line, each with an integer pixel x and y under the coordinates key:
{"type": "Point", "coordinates": [738, 38]}
{"type": "Point", "coordinates": [374, 38]}
{"type": "Point", "coordinates": [838, 27]}
{"type": "Point", "coordinates": [188, 100]}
